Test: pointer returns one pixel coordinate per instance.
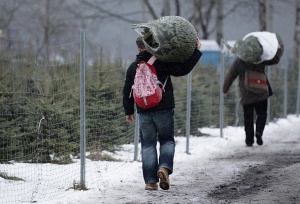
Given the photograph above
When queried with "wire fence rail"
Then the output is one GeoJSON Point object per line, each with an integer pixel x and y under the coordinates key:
{"type": "Point", "coordinates": [62, 120]}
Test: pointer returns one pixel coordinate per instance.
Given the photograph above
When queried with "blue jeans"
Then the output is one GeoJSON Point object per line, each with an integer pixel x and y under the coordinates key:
{"type": "Point", "coordinates": [157, 126]}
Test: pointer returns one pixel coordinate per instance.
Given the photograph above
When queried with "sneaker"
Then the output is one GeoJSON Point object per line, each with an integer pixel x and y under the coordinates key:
{"type": "Point", "coordinates": [164, 181]}
{"type": "Point", "coordinates": [151, 186]}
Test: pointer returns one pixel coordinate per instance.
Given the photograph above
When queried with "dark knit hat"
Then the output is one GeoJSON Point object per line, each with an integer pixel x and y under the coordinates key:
{"type": "Point", "coordinates": [140, 42]}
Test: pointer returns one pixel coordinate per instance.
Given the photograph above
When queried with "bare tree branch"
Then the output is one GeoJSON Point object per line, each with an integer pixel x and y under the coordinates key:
{"type": "Point", "coordinates": [202, 17]}
{"type": "Point", "coordinates": [104, 11]}
{"type": "Point", "coordinates": [166, 8]}
{"type": "Point", "coordinates": [151, 10]}
{"type": "Point", "coordinates": [7, 12]}
{"type": "Point", "coordinates": [235, 6]}
{"type": "Point", "coordinates": [177, 6]}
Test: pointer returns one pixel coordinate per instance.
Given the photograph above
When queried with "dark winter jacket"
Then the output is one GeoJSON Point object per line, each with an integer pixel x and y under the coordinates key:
{"type": "Point", "coordinates": [163, 69]}
{"type": "Point", "coordinates": [238, 69]}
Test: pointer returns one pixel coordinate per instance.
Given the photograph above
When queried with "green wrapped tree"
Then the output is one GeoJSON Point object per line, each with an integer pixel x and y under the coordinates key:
{"type": "Point", "coordinates": [169, 38]}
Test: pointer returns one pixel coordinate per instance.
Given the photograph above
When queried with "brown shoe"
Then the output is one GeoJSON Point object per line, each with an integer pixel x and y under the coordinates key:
{"type": "Point", "coordinates": [163, 175]}
{"type": "Point", "coordinates": [151, 186]}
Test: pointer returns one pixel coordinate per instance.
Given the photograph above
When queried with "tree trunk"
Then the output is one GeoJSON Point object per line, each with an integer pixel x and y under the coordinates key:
{"type": "Point", "coordinates": [297, 36]}
{"type": "Point", "coordinates": [219, 23]}
{"type": "Point", "coordinates": [166, 8]}
{"type": "Point", "coordinates": [197, 15]}
{"type": "Point", "coordinates": [177, 5]}
{"type": "Point", "coordinates": [262, 15]}
{"type": "Point", "coordinates": [47, 28]}
{"type": "Point", "coordinates": [270, 11]}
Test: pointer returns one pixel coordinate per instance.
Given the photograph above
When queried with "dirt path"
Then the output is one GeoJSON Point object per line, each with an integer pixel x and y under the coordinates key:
{"type": "Point", "coordinates": [275, 180]}
{"type": "Point", "coordinates": [258, 175]}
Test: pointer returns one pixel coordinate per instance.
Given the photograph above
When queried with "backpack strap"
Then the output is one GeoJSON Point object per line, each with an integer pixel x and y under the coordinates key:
{"type": "Point", "coordinates": [163, 85]}
{"type": "Point", "coordinates": [151, 60]}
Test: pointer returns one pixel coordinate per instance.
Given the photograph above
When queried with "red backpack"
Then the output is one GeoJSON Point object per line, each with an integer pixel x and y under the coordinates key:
{"type": "Point", "coordinates": [147, 89]}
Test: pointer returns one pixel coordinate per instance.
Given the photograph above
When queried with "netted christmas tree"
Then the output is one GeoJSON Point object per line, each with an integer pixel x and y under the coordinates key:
{"type": "Point", "coordinates": [257, 46]}
{"type": "Point", "coordinates": [169, 38]}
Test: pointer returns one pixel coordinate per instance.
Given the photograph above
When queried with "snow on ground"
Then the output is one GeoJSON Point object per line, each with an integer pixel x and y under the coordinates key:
{"type": "Point", "coordinates": [122, 182]}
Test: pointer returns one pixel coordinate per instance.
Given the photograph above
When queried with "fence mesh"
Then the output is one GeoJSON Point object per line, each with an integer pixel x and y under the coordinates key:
{"type": "Point", "coordinates": [40, 114]}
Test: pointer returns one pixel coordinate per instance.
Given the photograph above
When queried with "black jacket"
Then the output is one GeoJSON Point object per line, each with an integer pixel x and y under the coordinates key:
{"type": "Point", "coordinates": [163, 69]}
